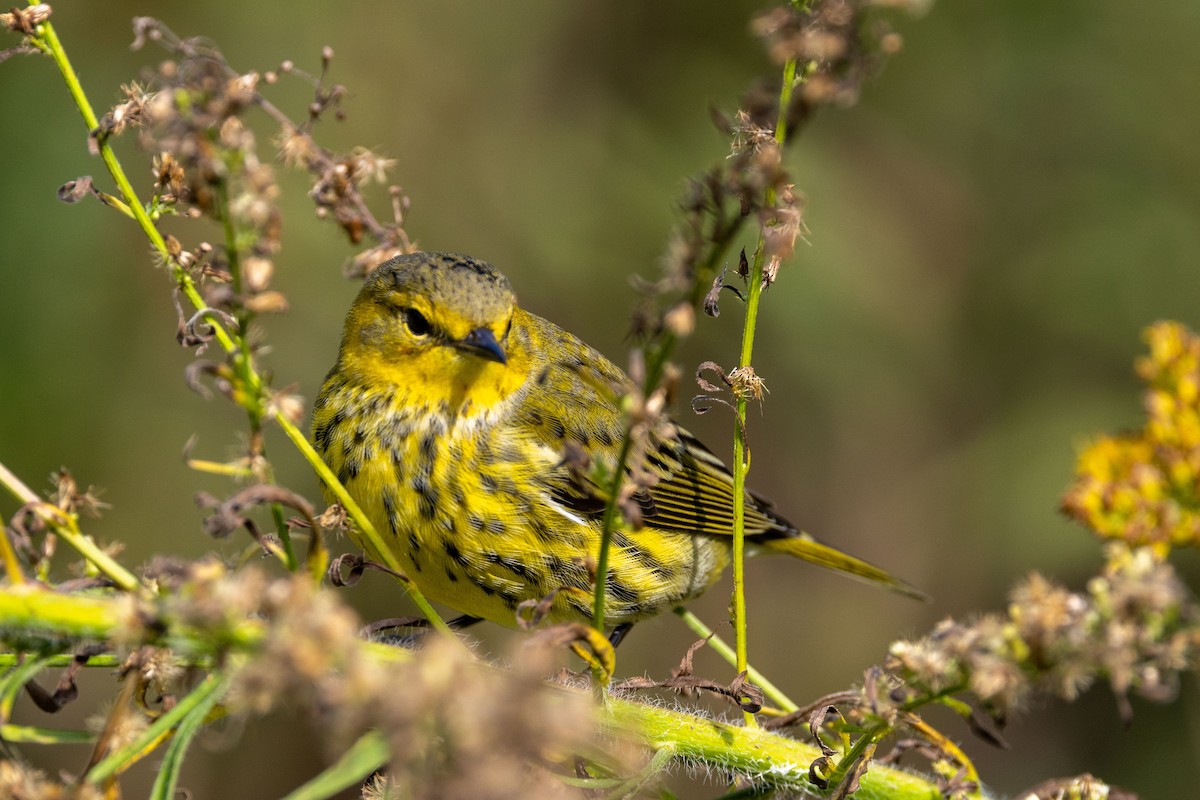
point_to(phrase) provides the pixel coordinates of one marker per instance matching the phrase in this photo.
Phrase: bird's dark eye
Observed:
(416, 322)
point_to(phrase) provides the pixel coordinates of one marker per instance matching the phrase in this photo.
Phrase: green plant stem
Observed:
(67, 527)
(726, 652)
(657, 354)
(763, 756)
(35, 734)
(611, 520)
(39, 613)
(863, 747)
(360, 518)
(204, 695)
(355, 765)
(741, 461)
(47, 40)
(36, 612)
(64, 660)
(12, 567)
(201, 710)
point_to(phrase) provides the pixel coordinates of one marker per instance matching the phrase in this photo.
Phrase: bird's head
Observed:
(436, 324)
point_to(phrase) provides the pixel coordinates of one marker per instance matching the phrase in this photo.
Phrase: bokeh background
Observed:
(1014, 199)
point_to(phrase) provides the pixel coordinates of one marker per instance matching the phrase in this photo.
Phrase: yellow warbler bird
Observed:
(448, 416)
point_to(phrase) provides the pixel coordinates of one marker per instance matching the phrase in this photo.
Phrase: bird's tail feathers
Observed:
(805, 547)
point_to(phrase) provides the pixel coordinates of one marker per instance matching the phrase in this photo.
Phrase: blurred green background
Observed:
(1014, 199)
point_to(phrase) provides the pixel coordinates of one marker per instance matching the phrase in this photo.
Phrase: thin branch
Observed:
(67, 527)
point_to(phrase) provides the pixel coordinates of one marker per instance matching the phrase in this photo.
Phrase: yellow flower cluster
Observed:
(1144, 487)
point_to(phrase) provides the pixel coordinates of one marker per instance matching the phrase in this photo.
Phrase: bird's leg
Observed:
(619, 632)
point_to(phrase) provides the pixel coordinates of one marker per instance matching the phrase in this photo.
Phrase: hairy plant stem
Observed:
(769, 759)
(46, 40)
(741, 455)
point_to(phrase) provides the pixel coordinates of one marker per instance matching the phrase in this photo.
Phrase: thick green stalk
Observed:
(34, 611)
(760, 755)
(763, 757)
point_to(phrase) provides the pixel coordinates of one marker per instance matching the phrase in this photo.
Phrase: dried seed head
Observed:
(680, 319)
(290, 406)
(780, 229)
(257, 273)
(26, 20)
(21, 782)
(749, 136)
(745, 383)
(297, 149)
(169, 175)
(365, 166)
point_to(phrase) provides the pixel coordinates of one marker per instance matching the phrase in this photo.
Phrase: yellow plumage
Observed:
(447, 417)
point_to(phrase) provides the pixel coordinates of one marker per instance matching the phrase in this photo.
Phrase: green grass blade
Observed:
(14, 680)
(206, 693)
(365, 756)
(189, 726)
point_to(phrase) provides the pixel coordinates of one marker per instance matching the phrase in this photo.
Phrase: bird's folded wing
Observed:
(694, 493)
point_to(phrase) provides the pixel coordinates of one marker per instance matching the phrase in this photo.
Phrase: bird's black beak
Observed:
(482, 342)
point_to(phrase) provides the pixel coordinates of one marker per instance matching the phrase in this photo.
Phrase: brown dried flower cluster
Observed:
(842, 43)
(456, 728)
(1137, 627)
(21, 782)
(838, 45)
(206, 162)
(189, 113)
